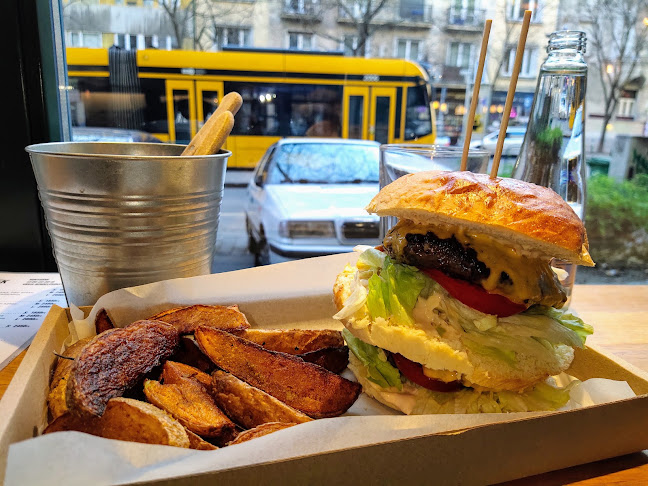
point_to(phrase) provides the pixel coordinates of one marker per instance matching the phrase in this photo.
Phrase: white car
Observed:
(512, 141)
(307, 198)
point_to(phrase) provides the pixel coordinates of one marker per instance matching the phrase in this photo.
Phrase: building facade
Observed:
(444, 36)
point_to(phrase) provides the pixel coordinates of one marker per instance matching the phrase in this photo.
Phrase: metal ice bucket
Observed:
(125, 214)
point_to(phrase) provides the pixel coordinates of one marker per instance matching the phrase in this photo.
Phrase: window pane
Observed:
(356, 116)
(417, 114)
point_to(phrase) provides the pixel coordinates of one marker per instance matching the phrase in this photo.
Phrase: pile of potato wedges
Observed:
(197, 377)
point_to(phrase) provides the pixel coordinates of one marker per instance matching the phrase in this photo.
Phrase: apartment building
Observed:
(444, 36)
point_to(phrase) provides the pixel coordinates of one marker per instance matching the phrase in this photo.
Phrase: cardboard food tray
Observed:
(465, 449)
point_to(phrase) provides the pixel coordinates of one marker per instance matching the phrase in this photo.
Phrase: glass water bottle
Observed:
(553, 150)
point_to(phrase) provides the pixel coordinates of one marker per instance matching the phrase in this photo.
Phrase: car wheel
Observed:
(262, 255)
(252, 243)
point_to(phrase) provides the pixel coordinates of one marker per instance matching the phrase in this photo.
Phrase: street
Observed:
(231, 241)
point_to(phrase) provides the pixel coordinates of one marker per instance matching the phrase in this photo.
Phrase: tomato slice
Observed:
(475, 296)
(414, 372)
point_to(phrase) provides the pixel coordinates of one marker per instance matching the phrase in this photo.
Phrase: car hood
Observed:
(322, 200)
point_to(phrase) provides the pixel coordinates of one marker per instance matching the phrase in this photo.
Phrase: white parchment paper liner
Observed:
(73, 458)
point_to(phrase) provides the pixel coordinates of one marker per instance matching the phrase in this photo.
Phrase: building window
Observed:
(529, 68)
(516, 9)
(83, 39)
(408, 49)
(625, 108)
(350, 44)
(148, 3)
(231, 36)
(304, 7)
(460, 54)
(300, 41)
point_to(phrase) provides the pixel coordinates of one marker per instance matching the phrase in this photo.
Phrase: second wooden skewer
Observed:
(475, 94)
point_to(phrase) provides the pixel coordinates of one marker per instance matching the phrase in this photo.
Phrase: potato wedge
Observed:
(114, 361)
(259, 431)
(177, 373)
(56, 399)
(248, 406)
(193, 407)
(292, 341)
(198, 443)
(333, 359)
(103, 322)
(187, 319)
(307, 387)
(189, 353)
(127, 419)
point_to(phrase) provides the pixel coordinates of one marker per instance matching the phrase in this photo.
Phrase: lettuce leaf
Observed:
(379, 370)
(394, 291)
(564, 318)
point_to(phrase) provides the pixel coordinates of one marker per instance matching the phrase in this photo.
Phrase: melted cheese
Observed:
(442, 375)
(531, 278)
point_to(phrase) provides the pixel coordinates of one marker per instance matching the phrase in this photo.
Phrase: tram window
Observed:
(315, 111)
(399, 111)
(418, 120)
(91, 102)
(155, 111)
(287, 109)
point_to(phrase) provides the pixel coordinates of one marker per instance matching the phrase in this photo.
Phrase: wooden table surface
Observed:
(619, 314)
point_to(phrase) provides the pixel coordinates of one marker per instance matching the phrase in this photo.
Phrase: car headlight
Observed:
(307, 229)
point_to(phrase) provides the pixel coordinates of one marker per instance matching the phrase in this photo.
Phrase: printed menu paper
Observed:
(25, 299)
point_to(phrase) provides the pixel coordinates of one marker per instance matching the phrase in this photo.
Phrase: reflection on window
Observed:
(332, 163)
(529, 68)
(460, 54)
(300, 41)
(94, 102)
(287, 109)
(418, 120)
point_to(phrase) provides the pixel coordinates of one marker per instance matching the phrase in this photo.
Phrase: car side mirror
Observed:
(258, 180)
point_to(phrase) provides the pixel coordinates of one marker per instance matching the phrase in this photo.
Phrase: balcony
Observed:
(466, 19)
(407, 14)
(301, 10)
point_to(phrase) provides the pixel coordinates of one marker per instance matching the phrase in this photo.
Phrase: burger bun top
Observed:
(531, 216)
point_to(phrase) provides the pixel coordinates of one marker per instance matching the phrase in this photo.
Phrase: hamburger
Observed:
(459, 310)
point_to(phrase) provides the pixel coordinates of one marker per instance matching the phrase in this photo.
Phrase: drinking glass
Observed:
(397, 160)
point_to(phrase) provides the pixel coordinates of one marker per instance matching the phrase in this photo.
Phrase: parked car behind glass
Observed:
(307, 198)
(512, 141)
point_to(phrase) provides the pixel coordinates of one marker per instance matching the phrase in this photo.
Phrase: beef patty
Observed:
(445, 254)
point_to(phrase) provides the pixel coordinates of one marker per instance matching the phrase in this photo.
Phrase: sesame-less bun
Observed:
(531, 216)
(423, 344)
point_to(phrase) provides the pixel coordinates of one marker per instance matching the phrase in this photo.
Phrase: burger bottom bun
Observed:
(423, 345)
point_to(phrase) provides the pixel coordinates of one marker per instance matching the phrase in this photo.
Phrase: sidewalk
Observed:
(238, 177)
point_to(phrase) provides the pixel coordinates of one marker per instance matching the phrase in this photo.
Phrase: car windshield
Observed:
(324, 163)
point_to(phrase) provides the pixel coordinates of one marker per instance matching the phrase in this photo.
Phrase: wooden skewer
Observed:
(519, 54)
(211, 137)
(475, 94)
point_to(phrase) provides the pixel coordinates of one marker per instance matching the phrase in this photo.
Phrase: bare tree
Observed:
(182, 15)
(617, 38)
(363, 17)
